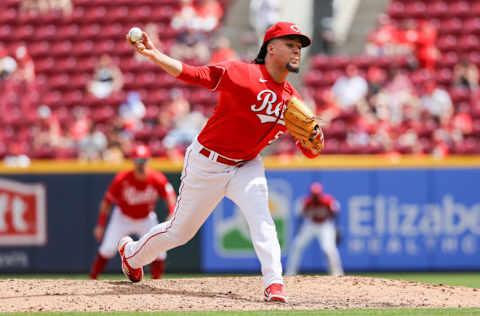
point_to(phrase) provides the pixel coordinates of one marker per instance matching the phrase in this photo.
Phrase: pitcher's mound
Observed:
(227, 293)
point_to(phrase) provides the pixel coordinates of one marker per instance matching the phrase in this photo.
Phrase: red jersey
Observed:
(137, 198)
(249, 114)
(319, 208)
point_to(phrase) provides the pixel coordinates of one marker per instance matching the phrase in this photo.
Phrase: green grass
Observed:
(468, 279)
(360, 312)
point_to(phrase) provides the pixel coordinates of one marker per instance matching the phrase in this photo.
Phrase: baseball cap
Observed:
(141, 153)
(281, 29)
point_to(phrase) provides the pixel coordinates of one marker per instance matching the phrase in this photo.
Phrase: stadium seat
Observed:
(459, 9)
(437, 9)
(416, 10)
(451, 26)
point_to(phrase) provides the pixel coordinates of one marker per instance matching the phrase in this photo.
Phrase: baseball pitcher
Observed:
(256, 105)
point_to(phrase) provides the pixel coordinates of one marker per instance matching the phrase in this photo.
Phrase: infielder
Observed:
(224, 161)
(319, 210)
(135, 194)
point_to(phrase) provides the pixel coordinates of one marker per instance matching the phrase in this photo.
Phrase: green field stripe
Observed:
(359, 312)
(468, 279)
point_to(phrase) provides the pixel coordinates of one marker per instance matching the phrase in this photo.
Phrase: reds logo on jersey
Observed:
(271, 111)
(133, 197)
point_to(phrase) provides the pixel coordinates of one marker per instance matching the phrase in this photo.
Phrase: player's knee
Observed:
(182, 238)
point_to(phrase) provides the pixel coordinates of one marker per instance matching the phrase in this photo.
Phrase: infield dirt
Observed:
(227, 293)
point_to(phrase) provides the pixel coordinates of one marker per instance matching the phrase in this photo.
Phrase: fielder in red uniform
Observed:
(135, 194)
(224, 161)
(320, 211)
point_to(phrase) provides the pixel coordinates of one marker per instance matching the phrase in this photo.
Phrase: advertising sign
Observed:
(23, 218)
(402, 219)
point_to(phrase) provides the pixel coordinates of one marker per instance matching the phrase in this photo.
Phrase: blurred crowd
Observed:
(36, 130)
(415, 108)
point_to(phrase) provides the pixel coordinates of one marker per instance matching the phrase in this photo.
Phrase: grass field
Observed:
(468, 279)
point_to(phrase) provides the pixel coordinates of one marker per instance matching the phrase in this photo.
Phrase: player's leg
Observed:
(248, 189)
(157, 267)
(116, 228)
(203, 186)
(302, 239)
(326, 238)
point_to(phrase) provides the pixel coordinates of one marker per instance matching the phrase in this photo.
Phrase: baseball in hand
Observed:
(135, 34)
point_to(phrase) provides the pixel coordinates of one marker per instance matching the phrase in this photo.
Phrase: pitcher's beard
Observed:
(292, 69)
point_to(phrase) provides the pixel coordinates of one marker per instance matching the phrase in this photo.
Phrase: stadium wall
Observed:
(398, 213)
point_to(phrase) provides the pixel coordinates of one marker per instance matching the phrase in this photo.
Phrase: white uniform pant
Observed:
(204, 184)
(121, 225)
(325, 233)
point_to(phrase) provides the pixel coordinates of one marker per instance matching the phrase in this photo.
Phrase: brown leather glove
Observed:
(302, 124)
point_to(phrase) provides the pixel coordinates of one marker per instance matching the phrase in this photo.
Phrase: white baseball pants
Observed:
(325, 233)
(204, 184)
(121, 225)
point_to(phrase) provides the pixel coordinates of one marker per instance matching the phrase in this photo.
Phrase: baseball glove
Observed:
(302, 125)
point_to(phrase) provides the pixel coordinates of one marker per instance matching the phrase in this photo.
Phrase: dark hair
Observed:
(260, 59)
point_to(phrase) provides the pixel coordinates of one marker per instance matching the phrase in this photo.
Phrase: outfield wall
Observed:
(396, 214)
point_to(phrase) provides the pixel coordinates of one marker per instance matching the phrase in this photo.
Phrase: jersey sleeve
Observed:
(333, 205)
(166, 191)
(211, 77)
(113, 191)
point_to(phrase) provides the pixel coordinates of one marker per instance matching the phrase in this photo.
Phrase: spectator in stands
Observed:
(117, 134)
(132, 112)
(191, 47)
(25, 66)
(407, 38)
(46, 131)
(107, 78)
(391, 101)
(81, 124)
(407, 139)
(16, 156)
(465, 75)
(350, 89)
(92, 146)
(8, 65)
(441, 143)
(376, 79)
(426, 51)
(185, 125)
(208, 15)
(204, 17)
(436, 102)
(383, 40)
(222, 51)
(44, 6)
(113, 153)
(461, 124)
(185, 15)
(263, 14)
(327, 107)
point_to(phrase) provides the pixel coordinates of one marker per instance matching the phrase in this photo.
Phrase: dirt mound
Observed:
(229, 293)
